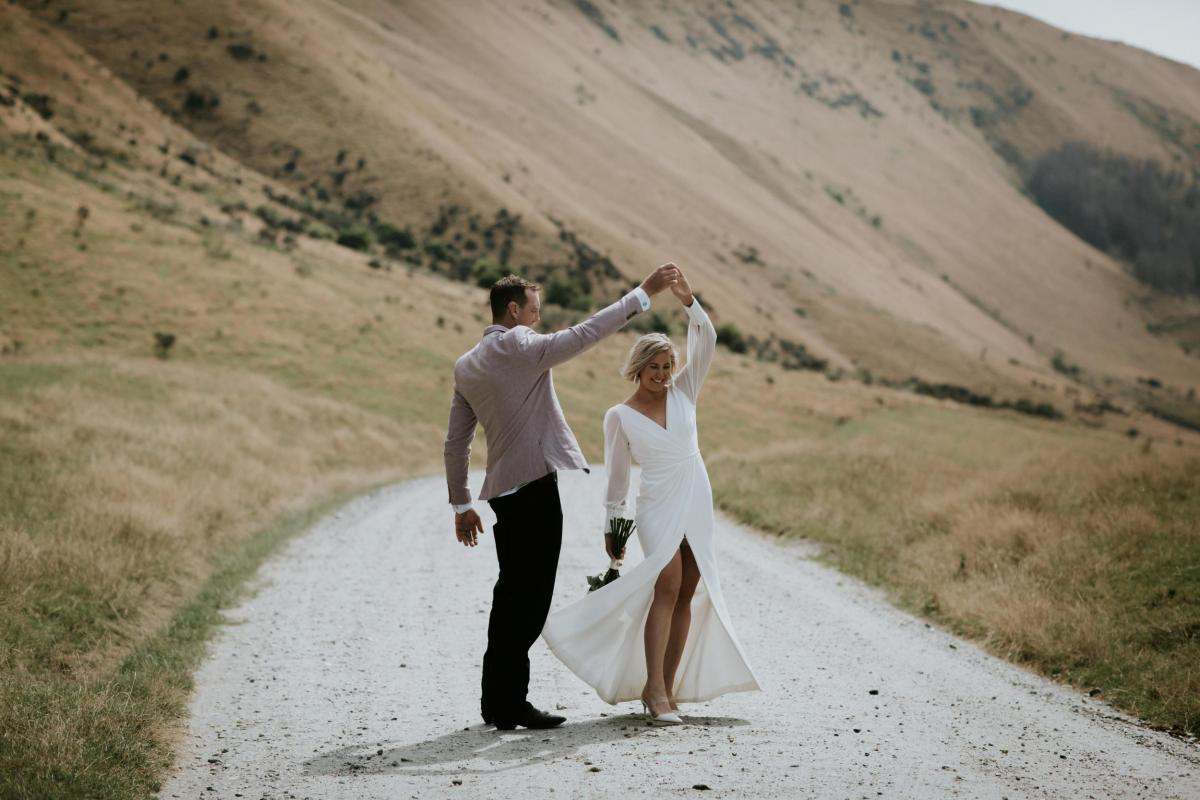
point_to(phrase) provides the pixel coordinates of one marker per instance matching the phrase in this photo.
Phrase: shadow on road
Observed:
(492, 750)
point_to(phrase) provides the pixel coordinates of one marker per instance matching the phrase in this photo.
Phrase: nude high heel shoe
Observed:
(665, 718)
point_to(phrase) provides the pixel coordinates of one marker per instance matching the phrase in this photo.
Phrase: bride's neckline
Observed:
(651, 420)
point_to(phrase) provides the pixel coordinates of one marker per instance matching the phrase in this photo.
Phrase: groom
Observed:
(505, 384)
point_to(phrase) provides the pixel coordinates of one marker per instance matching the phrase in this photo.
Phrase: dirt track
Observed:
(353, 673)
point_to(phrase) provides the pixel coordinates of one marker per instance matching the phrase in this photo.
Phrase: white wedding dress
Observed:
(600, 636)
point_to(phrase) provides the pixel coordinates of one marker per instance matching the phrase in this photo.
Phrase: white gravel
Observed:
(353, 672)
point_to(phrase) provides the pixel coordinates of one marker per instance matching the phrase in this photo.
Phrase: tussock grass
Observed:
(110, 735)
(1073, 553)
(131, 497)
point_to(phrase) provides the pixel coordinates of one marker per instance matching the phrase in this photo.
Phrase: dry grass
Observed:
(124, 484)
(1071, 552)
(137, 493)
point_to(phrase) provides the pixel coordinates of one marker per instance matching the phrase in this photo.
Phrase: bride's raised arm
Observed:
(701, 347)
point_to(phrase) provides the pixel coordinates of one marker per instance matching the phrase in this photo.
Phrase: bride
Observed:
(660, 632)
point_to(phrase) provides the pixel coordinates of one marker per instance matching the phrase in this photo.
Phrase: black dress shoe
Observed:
(529, 717)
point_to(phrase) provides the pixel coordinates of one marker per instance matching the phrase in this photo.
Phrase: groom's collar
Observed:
(495, 326)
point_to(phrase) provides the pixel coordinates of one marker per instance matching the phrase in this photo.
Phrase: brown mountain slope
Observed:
(853, 154)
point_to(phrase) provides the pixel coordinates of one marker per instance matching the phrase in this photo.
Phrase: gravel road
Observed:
(353, 672)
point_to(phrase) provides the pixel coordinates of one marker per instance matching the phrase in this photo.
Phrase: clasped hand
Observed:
(669, 276)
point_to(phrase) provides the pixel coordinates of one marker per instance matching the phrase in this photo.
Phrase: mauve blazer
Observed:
(505, 384)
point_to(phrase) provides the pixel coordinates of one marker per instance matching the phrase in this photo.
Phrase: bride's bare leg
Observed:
(681, 619)
(658, 628)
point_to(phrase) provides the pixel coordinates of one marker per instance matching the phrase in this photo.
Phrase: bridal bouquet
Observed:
(620, 529)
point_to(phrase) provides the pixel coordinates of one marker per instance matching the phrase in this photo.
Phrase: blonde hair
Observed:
(643, 352)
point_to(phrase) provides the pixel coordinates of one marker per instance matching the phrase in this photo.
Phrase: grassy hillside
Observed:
(201, 347)
(1054, 547)
(861, 162)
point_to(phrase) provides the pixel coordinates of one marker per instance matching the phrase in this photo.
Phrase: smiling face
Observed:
(650, 363)
(655, 377)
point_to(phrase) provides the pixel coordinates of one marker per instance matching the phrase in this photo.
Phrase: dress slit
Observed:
(602, 639)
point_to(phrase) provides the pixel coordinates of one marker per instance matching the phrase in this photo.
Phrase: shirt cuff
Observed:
(459, 509)
(614, 511)
(642, 297)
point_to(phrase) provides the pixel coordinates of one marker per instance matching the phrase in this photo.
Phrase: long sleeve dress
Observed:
(600, 636)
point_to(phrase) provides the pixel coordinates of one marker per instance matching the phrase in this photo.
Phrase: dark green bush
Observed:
(393, 238)
(485, 273)
(200, 101)
(41, 103)
(241, 51)
(652, 322)
(729, 335)
(356, 237)
(1064, 367)
(796, 356)
(562, 292)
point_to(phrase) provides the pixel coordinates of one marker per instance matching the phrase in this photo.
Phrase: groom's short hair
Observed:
(510, 289)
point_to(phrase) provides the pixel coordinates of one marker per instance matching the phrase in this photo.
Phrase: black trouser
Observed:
(528, 535)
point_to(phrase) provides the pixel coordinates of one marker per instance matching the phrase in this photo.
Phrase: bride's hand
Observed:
(682, 289)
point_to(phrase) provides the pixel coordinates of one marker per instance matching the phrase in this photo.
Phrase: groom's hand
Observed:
(467, 527)
(662, 278)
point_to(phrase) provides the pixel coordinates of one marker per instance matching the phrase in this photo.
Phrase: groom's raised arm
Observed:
(551, 349)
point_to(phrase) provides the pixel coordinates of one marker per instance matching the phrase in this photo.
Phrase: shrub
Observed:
(163, 342)
(360, 201)
(1036, 409)
(1064, 367)
(393, 238)
(563, 293)
(40, 103)
(729, 335)
(796, 356)
(748, 254)
(593, 13)
(200, 101)
(267, 215)
(438, 251)
(356, 237)
(653, 322)
(241, 52)
(485, 273)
